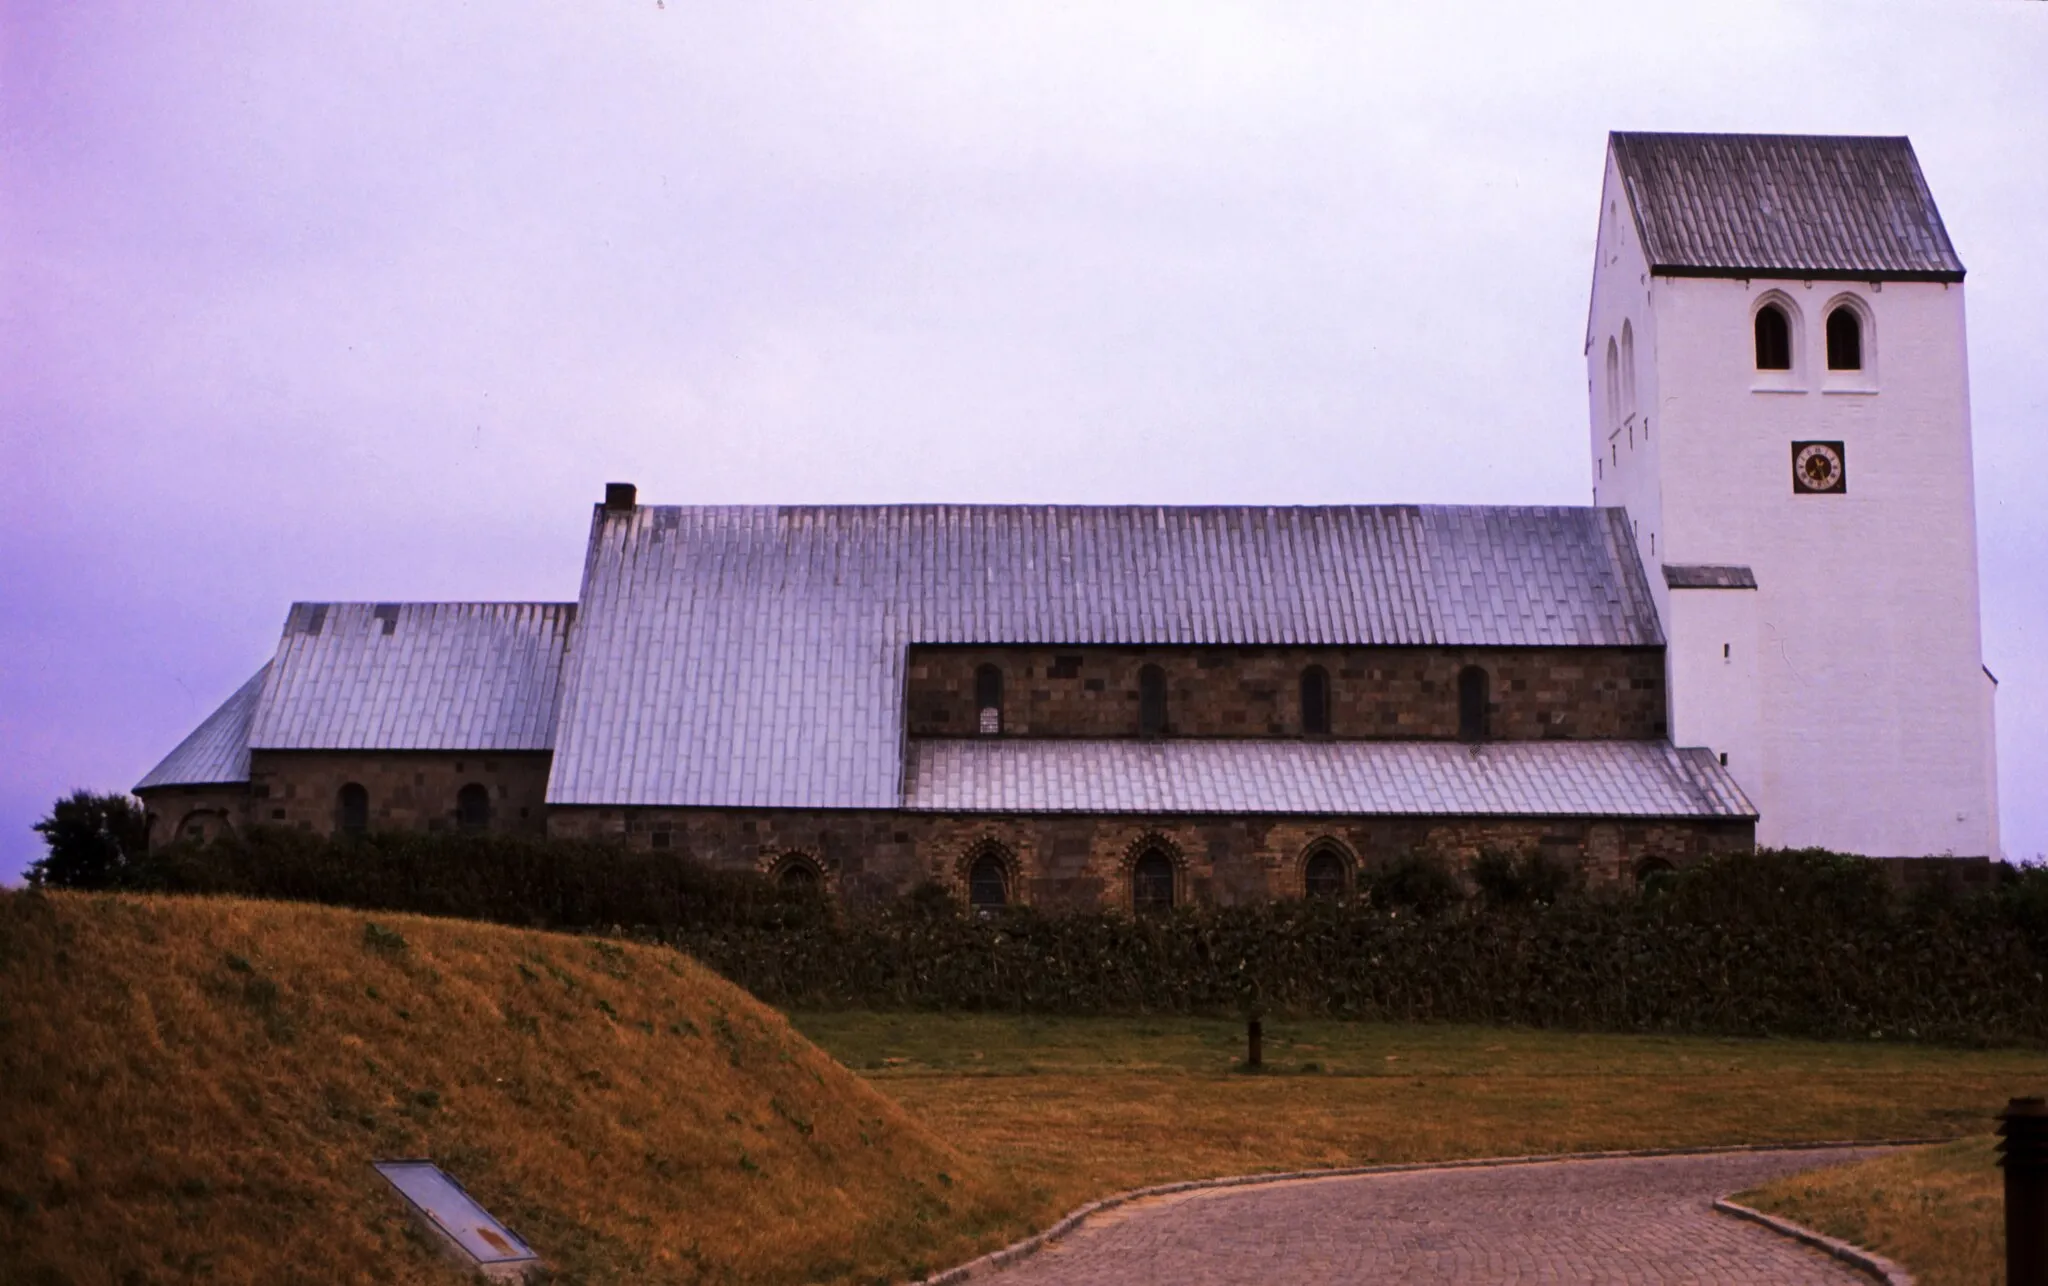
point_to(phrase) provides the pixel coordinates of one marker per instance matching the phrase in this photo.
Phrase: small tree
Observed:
(95, 842)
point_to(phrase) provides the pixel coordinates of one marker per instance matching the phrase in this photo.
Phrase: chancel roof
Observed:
(1784, 205)
(753, 657)
(414, 676)
(1647, 779)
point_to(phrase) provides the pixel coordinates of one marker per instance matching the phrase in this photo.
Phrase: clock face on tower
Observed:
(1819, 469)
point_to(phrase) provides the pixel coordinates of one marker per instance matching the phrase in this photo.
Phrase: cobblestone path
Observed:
(1633, 1220)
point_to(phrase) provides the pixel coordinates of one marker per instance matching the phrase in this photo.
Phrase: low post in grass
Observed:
(2024, 1155)
(1254, 1040)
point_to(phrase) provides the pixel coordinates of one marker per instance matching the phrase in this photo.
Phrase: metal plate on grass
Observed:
(455, 1213)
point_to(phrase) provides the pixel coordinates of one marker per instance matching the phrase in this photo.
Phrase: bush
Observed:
(510, 879)
(1507, 879)
(1773, 943)
(1416, 882)
(1789, 944)
(93, 842)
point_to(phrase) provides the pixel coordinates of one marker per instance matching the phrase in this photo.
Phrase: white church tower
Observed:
(1780, 400)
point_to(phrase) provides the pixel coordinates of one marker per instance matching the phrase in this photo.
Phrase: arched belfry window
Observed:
(1326, 871)
(473, 807)
(1472, 702)
(1152, 882)
(1151, 701)
(1773, 338)
(988, 882)
(1845, 339)
(1315, 700)
(988, 700)
(1628, 370)
(352, 809)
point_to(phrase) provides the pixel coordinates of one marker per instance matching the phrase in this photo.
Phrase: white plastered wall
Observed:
(1872, 730)
(1711, 675)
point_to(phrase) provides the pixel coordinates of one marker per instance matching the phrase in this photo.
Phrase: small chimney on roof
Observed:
(619, 496)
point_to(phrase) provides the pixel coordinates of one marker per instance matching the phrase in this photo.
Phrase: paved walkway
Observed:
(1630, 1220)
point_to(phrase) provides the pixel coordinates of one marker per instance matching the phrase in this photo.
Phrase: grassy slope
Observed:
(1072, 1108)
(1939, 1212)
(195, 1088)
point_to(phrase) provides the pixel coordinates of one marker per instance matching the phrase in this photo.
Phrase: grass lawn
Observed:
(1938, 1211)
(1074, 1108)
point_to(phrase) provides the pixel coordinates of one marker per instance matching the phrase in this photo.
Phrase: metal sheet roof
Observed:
(217, 751)
(1708, 576)
(1333, 778)
(414, 676)
(1784, 205)
(754, 656)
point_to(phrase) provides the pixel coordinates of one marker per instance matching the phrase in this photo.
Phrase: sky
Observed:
(369, 300)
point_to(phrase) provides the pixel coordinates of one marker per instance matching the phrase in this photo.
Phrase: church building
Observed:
(1764, 629)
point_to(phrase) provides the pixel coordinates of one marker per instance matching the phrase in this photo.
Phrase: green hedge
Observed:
(1772, 944)
(1778, 943)
(531, 882)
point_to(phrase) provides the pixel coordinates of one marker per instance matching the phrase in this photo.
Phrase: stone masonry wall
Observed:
(409, 790)
(1062, 862)
(194, 812)
(1376, 692)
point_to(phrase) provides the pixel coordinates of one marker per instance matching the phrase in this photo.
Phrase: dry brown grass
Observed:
(1076, 1108)
(1939, 1212)
(194, 1089)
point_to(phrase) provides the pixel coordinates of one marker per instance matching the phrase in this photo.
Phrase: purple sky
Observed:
(367, 301)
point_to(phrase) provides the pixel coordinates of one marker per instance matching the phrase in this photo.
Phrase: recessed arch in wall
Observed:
(1315, 700)
(796, 870)
(1613, 386)
(1328, 869)
(989, 872)
(1154, 874)
(1628, 369)
(203, 825)
(352, 809)
(473, 807)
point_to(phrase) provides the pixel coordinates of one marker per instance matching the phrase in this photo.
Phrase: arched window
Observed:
(798, 874)
(352, 809)
(1773, 339)
(1628, 370)
(988, 883)
(1315, 700)
(1613, 386)
(988, 699)
(203, 826)
(1151, 701)
(1152, 882)
(1472, 702)
(1326, 872)
(1845, 339)
(1652, 871)
(473, 807)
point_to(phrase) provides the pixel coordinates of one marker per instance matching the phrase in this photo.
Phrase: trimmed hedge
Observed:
(507, 879)
(1774, 943)
(1771, 944)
